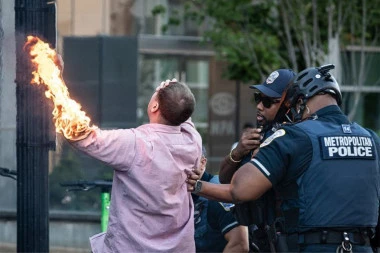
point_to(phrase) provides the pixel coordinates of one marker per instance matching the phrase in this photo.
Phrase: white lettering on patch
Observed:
(347, 147)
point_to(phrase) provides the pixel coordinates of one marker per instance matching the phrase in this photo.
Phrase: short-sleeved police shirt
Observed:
(219, 214)
(285, 155)
(220, 217)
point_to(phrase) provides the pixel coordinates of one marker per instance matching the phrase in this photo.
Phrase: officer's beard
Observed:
(264, 124)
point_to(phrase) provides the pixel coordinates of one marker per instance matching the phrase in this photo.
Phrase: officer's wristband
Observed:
(231, 159)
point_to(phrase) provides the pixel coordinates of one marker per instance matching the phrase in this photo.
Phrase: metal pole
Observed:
(101, 78)
(35, 133)
(237, 111)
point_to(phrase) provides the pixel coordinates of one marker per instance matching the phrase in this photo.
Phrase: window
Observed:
(194, 72)
(150, 24)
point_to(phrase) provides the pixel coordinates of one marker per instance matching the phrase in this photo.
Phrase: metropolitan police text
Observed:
(348, 146)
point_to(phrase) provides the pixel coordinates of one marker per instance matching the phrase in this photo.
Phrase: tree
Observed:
(362, 31)
(238, 31)
(256, 36)
(324, 29)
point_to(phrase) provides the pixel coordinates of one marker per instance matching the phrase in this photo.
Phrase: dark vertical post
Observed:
(35, 134)
(101, 78)
(237, 115)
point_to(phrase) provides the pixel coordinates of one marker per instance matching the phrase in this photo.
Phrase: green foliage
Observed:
(158, 9)
(241, 36)
(238, 31)
(363, 14)
(255, 37)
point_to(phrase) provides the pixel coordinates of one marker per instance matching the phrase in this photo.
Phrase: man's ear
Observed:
(298, 105)
(203, 163)
(155, 107)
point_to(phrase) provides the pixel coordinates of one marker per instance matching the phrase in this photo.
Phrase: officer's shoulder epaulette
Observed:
(280, 132)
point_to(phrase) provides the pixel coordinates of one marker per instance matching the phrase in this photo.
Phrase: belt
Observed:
(333, 237)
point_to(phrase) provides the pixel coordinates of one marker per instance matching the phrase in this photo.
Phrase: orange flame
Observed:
(68, 117)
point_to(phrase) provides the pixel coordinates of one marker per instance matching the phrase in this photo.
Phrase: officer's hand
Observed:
(250, 140)
(192, 178)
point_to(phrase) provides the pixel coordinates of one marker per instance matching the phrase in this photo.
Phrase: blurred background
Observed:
(117, 51)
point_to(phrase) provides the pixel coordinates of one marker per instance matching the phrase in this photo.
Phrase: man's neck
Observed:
(159, 120)
(318, 102)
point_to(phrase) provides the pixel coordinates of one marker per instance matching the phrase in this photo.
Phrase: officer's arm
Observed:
(218, 192)
(248, 183)
(227, 169)
(249, 140)
(237, 240)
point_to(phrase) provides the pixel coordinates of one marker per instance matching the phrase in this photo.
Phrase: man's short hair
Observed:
(177, 103)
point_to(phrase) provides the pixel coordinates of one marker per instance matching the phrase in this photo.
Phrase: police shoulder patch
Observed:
(278, 133)
(227, 206)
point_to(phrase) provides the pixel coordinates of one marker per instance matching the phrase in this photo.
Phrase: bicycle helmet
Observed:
(308, 83)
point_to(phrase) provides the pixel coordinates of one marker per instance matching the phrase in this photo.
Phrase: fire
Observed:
(68, 117)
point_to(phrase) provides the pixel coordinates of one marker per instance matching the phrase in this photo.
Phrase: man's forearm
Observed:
(227, 170)
(229, 165)
(218, 192)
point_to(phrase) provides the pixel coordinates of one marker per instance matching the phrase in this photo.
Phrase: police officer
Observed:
(259, 214)
(325, 167)
(267, 97)
(216, 229)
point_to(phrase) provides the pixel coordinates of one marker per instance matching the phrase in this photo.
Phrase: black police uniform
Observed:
(259, 215)
(327, 171)
(212, 220)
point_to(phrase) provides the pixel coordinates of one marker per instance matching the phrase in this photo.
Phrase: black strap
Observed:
(333, 237)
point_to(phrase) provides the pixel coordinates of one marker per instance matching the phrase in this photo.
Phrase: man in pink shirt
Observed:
(151, 209)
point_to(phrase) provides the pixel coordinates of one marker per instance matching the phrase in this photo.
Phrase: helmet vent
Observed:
(313, 88)
(301, 76)
(307, 82)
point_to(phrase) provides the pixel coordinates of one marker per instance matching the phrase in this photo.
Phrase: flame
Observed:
(68, 117)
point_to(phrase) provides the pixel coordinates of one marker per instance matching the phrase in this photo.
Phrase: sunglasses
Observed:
(267, 101)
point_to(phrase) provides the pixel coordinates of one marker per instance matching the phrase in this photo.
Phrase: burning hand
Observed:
(59, 62)
(68, 117)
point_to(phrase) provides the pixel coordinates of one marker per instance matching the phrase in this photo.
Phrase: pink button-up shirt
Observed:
(151, 210)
